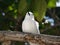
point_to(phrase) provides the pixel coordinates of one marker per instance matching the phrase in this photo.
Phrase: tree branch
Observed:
(42, 39)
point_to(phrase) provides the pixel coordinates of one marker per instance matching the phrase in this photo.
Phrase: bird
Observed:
(37, 24)
(30, 25)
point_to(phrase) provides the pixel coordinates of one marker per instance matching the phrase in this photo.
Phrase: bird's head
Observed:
(29, 15)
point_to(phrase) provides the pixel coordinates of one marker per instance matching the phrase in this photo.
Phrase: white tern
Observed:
(30, 25)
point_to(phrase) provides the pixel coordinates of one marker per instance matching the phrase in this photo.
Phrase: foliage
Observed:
(38, 9)
(8, 13)
(12, 13)
(52, 3)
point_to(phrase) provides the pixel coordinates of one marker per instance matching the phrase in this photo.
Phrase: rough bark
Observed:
(42, 39)
(6, 43)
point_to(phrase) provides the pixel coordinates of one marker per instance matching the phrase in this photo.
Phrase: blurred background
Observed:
(12, 13)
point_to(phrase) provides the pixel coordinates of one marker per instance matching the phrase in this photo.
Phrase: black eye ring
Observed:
(29, 13)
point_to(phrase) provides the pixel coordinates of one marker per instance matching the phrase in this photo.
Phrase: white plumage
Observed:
(30, 25)
(37, 24)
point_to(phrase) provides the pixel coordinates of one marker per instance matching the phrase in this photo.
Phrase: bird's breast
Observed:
(29, 26)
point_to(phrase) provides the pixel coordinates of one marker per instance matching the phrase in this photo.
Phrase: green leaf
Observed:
(23, 7)
(10, 8)
(38, 7)
(52, 3)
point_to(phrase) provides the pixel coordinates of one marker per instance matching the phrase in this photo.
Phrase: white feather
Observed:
(30, 25)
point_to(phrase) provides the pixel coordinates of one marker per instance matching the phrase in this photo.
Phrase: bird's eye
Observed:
(29, 13)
